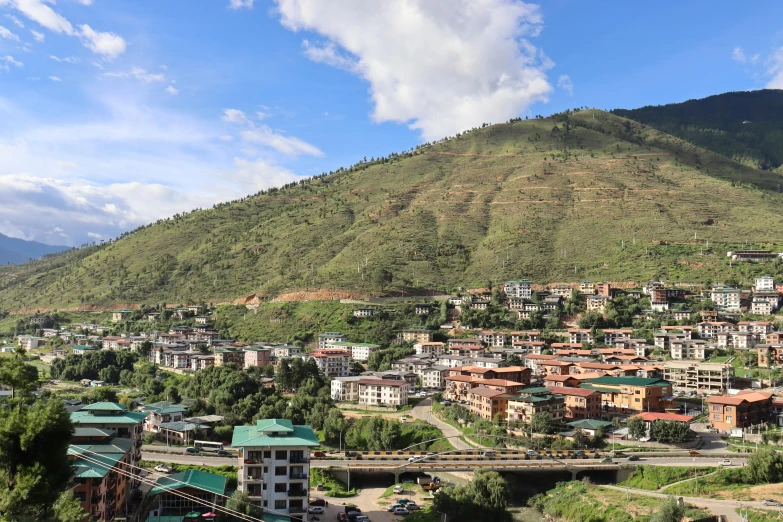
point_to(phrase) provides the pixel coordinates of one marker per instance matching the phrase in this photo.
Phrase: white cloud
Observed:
(15, 20)
(39, 12)
(440, 67)
(94, 235)
(775, 70)
(262, 115)
(7, 34)
(139, 74)
(240, 4)
(85, 2)
(38, 37)
(288, 145)
(564, 82)
(234, 116)
(738, 55)
(7, 61)
(171, 90)
(67, 59)
(226, 138)
(55, 78)
(109, 45)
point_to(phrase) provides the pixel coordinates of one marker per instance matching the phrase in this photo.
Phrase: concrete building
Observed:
(333, 362)
(416, 334)
(30, 342)
(433, 377)
(327, 338)
(117, 316)
(764, 284)
(521, 407)
(384, 392)
(579, 402)
(257, 356)
(725, 298)
(225, 356)
(522, 288)
(358, 351)
(698, 377)
(486, 402)
(696, 349)
(629, 395)
(432, 348)
(173, 495)
(161, 412)
(746, 409)
(345, 389)
(274, 464)
(99, 481)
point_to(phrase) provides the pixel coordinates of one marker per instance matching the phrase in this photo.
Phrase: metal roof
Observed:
(192, 478)
(274, 432)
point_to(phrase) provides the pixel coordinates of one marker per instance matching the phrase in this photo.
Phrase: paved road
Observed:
(423, 411)
(179, 458)
(718, 507)
(712, 441)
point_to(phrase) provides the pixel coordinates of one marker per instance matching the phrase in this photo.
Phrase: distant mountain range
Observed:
(13, 250)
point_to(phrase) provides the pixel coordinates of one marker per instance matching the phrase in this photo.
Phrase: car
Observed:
(362, 518)
(725, 462)
(342, 517)
(404, 501)
(411, 506)
(316, 510)
(319, 487)
(352, 509)
(415, 458)
(162, 468)
(400, 511)
(391, 508)
(694, 453)
(771, 502)
(317, 502)
(712, 430)
(398, 489)
(606, 459)
(446, 403)
(431, 454)
(319, 454)
(579, 453)
(531, 453)
(223, 453)
(489, 454)
(632, 458)
(193, 450)
(352, 454)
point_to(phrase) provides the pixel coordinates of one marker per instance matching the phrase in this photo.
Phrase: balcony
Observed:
(298, 509)
(298, 459)
(250, 479)
(297, 475)
(297, 492)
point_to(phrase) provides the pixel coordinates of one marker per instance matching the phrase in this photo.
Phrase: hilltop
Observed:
(576, 195)
(744, 126)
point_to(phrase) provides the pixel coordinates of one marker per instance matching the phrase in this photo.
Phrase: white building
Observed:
(274, 464)
(522, 288)
(709, 329)
(333, 362)
(345, 389)
(387, 392)
(287, 350)
(433, 348)
(433, 378)
(358, 351)
(726, 297)
(28, 342)
(696, 349)
(580, 335)
(764, 284)
(327, 338)
(492, 338)
(364, 312)
(698, 377)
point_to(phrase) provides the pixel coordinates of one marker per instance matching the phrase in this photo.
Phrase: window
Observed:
(280, 470)
(280, 487)
(280, 504)
(728, 408)
(728, 418)
(281, 454)
(268, 454)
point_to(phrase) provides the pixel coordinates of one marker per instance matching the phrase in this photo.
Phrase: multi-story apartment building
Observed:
(432, 348)
(586, 288)
(597, 303)
(225, 356)
(522, 288)
(726, 297)
(580, 335)
(579, 402)
(763, 304)
(30, 342)
(521, 408)
(710, 329)
(333, 362)
(113, 420)
(759, 329)
(737, 340)
(433, 377)
(486, 402)
(743, 410)
(386, 392)
(289, 350)
(160, 412)
(345, 389)
(257, 356)
(364, 312)
(764, 284)
(328, 338)
(358, 351)
(274, 465)
(416, 334)
(696, 349)
(100, 482)
(201, 362)
(769, 355)
(492, 338)
(628, 395)
(698, 377)
(117, 316)
(611, 336)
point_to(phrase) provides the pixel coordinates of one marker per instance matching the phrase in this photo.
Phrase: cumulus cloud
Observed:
(55, 78)
(139, 74)
(241, 4)
(265, 136)
(109, 45)
(234, 116)
(7, 61)
(564, 82)
(439, 67)
(38, 37)
(7, 34)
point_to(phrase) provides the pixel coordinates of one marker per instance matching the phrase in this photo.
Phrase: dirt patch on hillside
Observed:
(318, 295)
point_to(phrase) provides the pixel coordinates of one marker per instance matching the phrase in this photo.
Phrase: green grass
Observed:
(333, 486)
(761, 515)
(230, 472)
(655, 477)
(710, 486)
(410, 489)
(443, 218)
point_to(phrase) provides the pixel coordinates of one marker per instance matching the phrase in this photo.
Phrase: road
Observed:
(712, 441)
(423, 411)
(717, 507)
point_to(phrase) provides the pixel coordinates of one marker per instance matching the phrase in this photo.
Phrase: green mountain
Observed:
(577, 195)
(744, 126)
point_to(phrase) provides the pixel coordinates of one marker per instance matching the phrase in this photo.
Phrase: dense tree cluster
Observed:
(104, 365)
(484, 499)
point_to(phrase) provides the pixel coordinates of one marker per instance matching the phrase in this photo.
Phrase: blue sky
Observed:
(115, 113)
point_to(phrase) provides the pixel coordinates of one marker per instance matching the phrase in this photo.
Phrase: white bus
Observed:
(208, 445)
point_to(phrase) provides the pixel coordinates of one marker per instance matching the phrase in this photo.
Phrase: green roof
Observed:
(122, 311)
(182, 427)
(540, 390)
(265, 433)
(84, 347)
(164, 407)
(192, 478)
(105, 406)
(629, 380)
(97, 467)
(114, 445)
(126, 417)
(590, 424)
(346, 343)
(90, 432)
(518, 398)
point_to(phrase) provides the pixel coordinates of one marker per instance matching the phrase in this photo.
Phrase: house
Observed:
(759, 329)
(764, 284)
(410, 378)
(710, 329)
(738, 340)
(531, 336)
(725, 298)
(523, 406)
(627, 395)
(117, 316)
(431, 348)
(180, 432)
(561, 291)
(422, 309)
(752, 255)
(522, 288)
(604, 289)
(291, 350)
(200, 362)
(173, 495)
(486, 402)
(591, 427)
(553, 367)
(587, 288)
(611, 336)
(161, 412)
(579, 402)
(651, 417)
(358, 351)
(333, 362)
(580, 335)
(698, 377)
(492, 338)
(458, 386)
(560, 381)
(364, 312)
(274, 464)
(81, 349)
(433, 377)
(29, 342)
(386, 392)
(257, 356)
(746, 409)
(479, 304)
(416, 334)
(225, 356)
(696, 349)
(597, 303)
(681, 315)
(202, 319)
(327, 338)
(345, 389)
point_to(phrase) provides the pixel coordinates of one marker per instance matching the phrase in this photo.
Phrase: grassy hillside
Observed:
(744, 126)
(553, 199)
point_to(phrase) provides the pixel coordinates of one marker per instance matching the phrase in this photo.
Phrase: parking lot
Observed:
(369, 502)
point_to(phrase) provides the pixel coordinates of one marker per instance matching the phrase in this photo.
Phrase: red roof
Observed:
(558, 378)
(652, 416)
(383, 382)
(483, 391)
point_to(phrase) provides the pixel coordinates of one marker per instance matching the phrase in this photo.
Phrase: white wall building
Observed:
(387, 392)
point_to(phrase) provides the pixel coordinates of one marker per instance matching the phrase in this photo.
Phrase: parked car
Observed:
(725, 462)
(162, 468)
(771, 502)
(606, 459)
(391, 508)
(411, 506)
(694, 453)
(223, 453)
(319, 454)
(632, 458)
(317, 502)
(712, 430)
(362, 518)
(352, 509)
(446, 403)
(316, 510)
(404, 501)
(400, 511)
(342, 517)
(398, 489)
(319, 487)
(193, 450)
(489, 454)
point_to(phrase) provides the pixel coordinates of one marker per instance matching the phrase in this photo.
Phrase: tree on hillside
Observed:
(381, 277)
(765, 467)
(669, 511)
(541, 423)
(636, 427)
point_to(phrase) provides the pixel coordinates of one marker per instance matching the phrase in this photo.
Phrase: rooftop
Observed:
(191, 478)
(274, 432)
